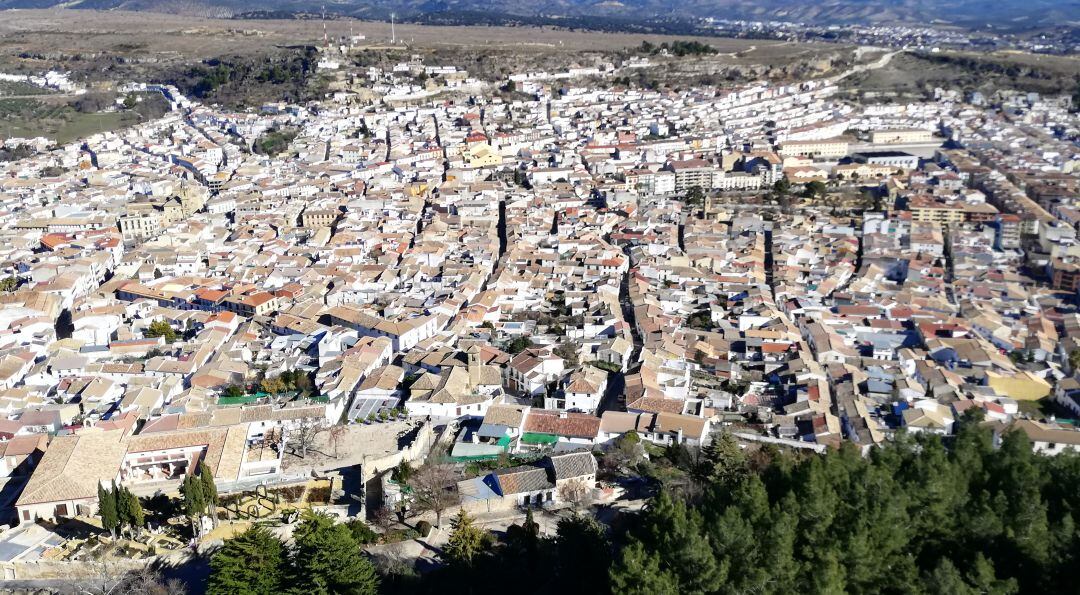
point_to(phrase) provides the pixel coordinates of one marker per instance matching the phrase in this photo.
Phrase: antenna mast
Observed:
(393, 36)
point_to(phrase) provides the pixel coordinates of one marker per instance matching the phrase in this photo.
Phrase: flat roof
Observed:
(884, 154)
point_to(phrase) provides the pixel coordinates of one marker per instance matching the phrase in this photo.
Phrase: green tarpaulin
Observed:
(537, 438)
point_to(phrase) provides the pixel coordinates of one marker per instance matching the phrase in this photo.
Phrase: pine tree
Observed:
(985, 580)
(252, 563)
(638, 572)
(465, 541)
(582, 555)
(110, 519)
(327, 559)
(668, 527)
(722, 460)
(947, 580)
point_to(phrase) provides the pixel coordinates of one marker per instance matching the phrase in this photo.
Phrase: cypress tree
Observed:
(194, 500)
(110, 519)
(123, 509)
(134, 510)
(209, 490)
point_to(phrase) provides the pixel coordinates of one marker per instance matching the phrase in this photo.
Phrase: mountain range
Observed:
(1014, 14)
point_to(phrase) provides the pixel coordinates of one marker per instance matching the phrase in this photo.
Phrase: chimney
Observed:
(474, 369)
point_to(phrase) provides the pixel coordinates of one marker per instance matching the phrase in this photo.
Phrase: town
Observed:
(431, 304)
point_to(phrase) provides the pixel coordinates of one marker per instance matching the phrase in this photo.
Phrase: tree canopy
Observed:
(465, 542)
(161, 328)
(251, 563)
(325, 559)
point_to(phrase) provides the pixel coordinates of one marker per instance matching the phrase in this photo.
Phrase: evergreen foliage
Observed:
(252, 563)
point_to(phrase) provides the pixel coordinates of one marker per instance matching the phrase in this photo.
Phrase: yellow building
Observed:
(481, 156)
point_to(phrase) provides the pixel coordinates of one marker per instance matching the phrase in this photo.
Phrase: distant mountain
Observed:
(967, 13)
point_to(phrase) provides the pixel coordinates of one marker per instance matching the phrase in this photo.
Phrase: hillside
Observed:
(970, 13)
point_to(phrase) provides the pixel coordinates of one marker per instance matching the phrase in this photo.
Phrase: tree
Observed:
(209, 490)
(569, 353)
(432, 489)
(273, 386)
(628, 448)
(161, 328)
(947, 580)
(722, 460)
(402, 473)
(1074, 359)
(253, 563)
(302, 382)
(465, 541)
(104, 578)
(110, 518)
(233, 391)
(130, 101)
(128, 509)
(530, 528)
(695, 197)
(582, 555)
(193, 493)
(9, 284)
(303, 435)
(337, 433)
(327, 559)
(638, 572)
(361, 532)
(575, 492)
(677, 533)
(814, 189)
(518, 344)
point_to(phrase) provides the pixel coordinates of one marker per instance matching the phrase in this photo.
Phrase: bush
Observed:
(606, 366)
(319, 495)
(423, 528)
(361, 532)
(289, 493)
(397, 535)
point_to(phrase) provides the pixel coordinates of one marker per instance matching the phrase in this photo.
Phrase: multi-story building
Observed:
(901, 136)
(693, 172)
(830, 148)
